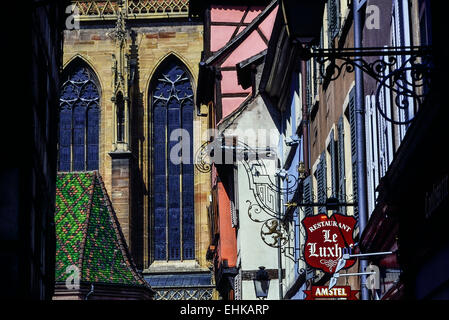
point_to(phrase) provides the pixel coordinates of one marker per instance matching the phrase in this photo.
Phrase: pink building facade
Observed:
(232, 35)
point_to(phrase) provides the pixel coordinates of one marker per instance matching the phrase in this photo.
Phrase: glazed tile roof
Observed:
(88, 234)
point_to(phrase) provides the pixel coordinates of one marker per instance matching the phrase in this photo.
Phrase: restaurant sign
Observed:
(327, 238)
(338, 292)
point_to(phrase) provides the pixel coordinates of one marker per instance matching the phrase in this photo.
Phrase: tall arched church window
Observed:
(79, 116)
(173, 182)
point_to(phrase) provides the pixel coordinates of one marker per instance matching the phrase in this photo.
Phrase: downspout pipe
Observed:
(361, 141)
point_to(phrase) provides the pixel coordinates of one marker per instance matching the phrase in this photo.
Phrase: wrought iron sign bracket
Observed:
(350, 58)
(404, 70)
(330, 204)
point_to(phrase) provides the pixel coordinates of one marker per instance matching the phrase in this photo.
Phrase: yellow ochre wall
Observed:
(155, 40)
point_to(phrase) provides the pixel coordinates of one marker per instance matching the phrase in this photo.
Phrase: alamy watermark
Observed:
(372, 20)
(235, 146)
(373, 280)
(73, 280)
(72, 22)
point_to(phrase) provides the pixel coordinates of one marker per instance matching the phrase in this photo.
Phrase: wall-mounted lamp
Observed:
(261, 283)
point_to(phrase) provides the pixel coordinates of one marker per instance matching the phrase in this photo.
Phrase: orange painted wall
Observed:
(227, 247)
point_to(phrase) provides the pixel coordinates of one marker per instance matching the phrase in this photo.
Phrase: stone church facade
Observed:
(129, 74)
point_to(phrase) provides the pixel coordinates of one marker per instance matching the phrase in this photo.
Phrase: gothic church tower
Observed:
(129, 81)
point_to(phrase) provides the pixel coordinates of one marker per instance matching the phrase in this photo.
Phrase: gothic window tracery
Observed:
(79, 121)
(172, 107)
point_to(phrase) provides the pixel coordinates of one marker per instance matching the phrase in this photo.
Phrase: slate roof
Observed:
(88, 234)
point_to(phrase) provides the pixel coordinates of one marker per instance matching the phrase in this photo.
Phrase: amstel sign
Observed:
(326, 239)
(322, 292)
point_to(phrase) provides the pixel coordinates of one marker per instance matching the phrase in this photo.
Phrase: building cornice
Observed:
(97, 10)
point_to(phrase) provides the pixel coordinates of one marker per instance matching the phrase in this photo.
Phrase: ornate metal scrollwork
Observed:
(255, 212)
(268, 194)
(405, 71)
(273, 233)
(203, 154)
(331, 70)
(409, 83)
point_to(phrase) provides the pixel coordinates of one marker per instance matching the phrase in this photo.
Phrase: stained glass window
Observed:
(172, 102)
(79, 116)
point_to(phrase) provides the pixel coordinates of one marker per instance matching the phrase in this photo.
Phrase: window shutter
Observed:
(315, 77)
(234, 214)
(308, 88)
(352, 122)
(234, 217)
(320, 77)
(333, 19)
(334, 171)
(371, 150)
(341, 164)
(307, 195)
(324, 174)
(321, 179)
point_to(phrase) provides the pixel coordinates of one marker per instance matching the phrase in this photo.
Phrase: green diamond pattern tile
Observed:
(87, 232)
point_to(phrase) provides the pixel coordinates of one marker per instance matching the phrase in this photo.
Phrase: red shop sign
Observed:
(326, 239)
(342, 292)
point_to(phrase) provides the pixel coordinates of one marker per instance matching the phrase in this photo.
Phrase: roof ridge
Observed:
(120, 237)
(86, 229)
(243, 34)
